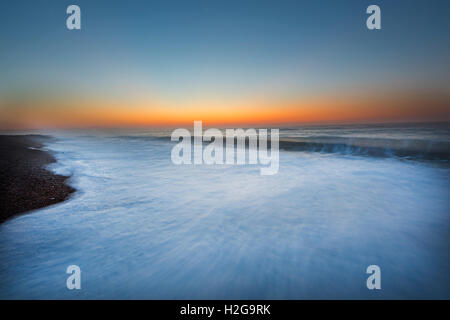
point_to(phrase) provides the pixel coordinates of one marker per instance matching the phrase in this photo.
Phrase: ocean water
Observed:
(142, 227)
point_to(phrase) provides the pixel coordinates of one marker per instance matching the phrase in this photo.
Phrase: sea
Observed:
(345, 197)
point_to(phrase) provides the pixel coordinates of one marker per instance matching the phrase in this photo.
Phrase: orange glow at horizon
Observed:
(94, 113)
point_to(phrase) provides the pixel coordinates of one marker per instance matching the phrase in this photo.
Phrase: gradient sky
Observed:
(170, 62)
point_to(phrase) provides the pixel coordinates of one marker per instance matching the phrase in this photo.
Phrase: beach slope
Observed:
(25, 184)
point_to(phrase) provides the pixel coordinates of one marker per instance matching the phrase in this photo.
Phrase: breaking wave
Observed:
(408, 149)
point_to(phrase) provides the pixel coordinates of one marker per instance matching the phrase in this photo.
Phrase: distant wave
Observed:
(412, 149)
(407, 148)
(428, 143)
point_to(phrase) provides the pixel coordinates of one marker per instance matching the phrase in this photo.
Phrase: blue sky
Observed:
(230, 49)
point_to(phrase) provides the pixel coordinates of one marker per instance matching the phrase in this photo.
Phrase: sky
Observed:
(223, 62)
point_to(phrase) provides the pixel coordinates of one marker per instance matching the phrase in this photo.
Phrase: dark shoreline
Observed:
(25, 184)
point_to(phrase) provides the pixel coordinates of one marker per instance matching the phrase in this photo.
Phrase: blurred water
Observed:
(141, 227)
